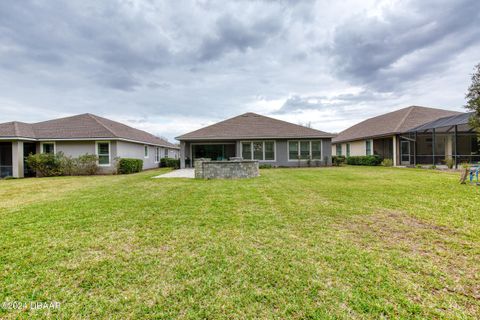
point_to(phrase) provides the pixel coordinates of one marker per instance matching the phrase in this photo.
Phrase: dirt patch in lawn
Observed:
(446, 257)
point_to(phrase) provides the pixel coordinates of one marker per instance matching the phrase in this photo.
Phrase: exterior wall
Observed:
(281, 152)
(75, 148)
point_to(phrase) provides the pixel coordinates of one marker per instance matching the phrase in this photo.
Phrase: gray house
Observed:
(253, 136)
(78, 135)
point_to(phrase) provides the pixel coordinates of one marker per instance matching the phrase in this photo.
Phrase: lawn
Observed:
(328, 243)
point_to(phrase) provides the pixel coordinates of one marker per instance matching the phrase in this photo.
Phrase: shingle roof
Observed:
(16, 129)
(456, 120)
(253, 126)
(83, 126)
(398, 121)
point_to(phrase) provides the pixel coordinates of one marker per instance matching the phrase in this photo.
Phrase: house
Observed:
(384, 135)
(256, 137)
(75, 136)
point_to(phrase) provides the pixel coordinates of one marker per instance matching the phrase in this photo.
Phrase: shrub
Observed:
(449, 163)
(387, 162)
(49, 164)
(46, 164)
(129, 165)
(338, 160)
(265, 166)
(86, 164)
(364, 160)
(419, 166)
(170, 163)
(432, 167)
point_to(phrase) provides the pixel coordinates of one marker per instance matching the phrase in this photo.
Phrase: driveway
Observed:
(180, 173)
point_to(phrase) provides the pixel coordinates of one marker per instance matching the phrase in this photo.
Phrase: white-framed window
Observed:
(102, 150)
(157, 155)
(368, 147)
(166, 152)
(47, 147)
(258, 150)
(305, 150)
(145, 151)
(338, 147)
(348, 149)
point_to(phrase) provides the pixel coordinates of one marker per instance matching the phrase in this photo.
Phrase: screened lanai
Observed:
(435, 142)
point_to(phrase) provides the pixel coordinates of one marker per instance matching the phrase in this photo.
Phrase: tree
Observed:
(473, 98)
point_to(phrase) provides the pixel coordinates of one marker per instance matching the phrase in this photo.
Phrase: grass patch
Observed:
(294, 243)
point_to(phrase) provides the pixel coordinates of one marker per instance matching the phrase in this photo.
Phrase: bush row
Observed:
(170, 163)
(364, 160)
(49, 165)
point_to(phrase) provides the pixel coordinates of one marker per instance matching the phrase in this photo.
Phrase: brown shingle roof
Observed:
(253, 126)
(83, 126)
(16, 129)
(392, 123)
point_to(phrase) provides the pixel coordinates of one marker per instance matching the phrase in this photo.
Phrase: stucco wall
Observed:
(75, 148)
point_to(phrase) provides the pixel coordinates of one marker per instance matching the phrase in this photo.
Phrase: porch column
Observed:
(433, 146)
(17, 159)
(395, 162)
(455, 146)
(415, 150)
(182, 154)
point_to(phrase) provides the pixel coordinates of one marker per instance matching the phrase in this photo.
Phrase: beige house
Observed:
(78, 135)
(387, 135)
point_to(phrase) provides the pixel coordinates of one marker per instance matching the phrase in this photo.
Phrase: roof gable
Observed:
(253, 126)
(398, 121)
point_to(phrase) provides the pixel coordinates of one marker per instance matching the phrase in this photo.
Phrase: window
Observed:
(269, 150)
(157, 154)
(305, 150)
(166, 152)
(258, 150)
(368, 147)
(145, 151)
(247, 150)
(348, 149)
(339, 149)
(103, 153)
(48, 147)
(316, 149)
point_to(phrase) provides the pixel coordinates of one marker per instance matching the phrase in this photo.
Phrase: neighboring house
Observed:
(384, 135)
(78, 135)
(253, 136)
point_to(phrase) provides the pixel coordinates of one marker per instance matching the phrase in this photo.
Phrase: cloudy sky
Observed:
(173, 66)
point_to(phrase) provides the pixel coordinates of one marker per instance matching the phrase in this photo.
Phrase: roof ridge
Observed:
(410, 109)
(94, 117)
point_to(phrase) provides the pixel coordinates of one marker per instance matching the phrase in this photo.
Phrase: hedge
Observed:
(129, 165)
(364, 160)
(170, 163)
(338, 160)
(49, 164)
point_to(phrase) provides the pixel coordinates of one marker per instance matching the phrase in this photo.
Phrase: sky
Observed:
(170, 67)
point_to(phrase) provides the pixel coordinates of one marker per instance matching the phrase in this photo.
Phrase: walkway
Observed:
(180, 173)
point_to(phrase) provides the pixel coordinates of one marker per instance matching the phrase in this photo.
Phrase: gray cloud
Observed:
(170, 66)
(367, 49)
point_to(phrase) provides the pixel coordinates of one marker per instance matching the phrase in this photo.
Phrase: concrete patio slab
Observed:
(180, 173)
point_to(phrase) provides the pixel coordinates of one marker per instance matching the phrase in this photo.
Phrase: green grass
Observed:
(328, 243)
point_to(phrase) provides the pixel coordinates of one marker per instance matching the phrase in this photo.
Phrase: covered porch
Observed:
(12, 158)
(217, 150)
